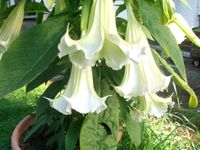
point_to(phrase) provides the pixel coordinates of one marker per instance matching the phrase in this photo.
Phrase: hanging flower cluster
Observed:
(100, 40)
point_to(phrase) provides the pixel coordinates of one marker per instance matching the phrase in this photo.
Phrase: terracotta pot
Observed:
(22, 126)
(27, 122)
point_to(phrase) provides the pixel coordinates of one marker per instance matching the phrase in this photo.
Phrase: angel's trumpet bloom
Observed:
(154, 105)
(12, 26)
(100, 39)
(80, 94)
(89, 44)
(144, 76)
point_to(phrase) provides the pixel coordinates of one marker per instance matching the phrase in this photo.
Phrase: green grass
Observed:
(13, 108)
(191, 114)
(168, 133)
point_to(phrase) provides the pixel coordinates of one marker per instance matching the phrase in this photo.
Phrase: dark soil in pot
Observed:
(37, 142)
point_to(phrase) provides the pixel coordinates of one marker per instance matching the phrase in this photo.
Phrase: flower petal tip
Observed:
(61, 105)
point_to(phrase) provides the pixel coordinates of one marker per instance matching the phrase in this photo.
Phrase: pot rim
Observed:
(21, 127)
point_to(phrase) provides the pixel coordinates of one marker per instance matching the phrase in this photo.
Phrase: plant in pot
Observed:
(101, 72)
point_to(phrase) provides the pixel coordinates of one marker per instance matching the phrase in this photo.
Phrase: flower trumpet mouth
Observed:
(99, 40)
(12, 26)
(152, 104)
(89, 44)
(80, 94)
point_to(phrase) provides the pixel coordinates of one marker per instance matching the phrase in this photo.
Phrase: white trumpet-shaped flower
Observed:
(154, 105)
(12, 26)
(133, 83)
(80, 94)
(144, 76)
(61, 105)
(150, 104)
(91, 40)
(99, 40)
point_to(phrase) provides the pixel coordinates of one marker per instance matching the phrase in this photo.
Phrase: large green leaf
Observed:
(151, 19)
(30, 54)
(100, 131)
(53, 69)
(1, 22)
(193, 101)
(73, 133)
(133, 127)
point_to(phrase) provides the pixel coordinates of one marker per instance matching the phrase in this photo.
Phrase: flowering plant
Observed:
(109, 75)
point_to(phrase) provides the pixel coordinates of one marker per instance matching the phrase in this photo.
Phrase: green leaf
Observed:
(114, 77)
(73, 133)
(120, 9)
(39, 122)
(30, 54)
(121, 26)
(193, 101)
(151, 19)
(3, 5)
(134, 130)
(133, 127)
(100, 131)
(1, 23)
(53, 70)
(57, 138)
(61, 138)
(85, 14)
